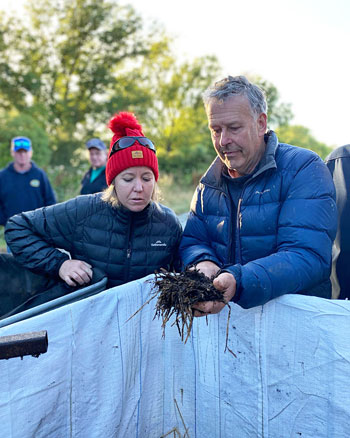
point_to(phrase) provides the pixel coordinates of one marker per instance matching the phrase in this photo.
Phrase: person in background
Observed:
(95, 178)
(23, 185)
(123, 233)
(338, 162)
(263, 217)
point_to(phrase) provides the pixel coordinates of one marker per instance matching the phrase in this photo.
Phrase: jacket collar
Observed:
(268, 159)
(125, 215)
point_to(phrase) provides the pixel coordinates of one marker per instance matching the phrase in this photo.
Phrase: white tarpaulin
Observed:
(104, 377)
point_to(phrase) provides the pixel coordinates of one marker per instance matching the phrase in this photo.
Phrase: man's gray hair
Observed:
(237, 86)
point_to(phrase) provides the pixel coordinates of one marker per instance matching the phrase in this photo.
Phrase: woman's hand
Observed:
(75, 272)
(224, 282)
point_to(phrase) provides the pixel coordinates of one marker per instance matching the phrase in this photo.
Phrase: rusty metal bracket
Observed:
(23, 344)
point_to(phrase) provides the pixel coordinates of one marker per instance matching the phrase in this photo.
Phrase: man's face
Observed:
(22, 158)
(98, 158)
(237, 135)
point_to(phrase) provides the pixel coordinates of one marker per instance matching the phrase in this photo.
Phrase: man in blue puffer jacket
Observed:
(263, 217)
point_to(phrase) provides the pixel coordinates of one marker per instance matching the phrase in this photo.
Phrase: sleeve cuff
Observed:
(204, 258)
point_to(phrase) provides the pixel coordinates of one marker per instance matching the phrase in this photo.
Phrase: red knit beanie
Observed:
(125, 124)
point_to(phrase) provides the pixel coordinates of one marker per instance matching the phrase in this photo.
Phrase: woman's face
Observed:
(134, 187)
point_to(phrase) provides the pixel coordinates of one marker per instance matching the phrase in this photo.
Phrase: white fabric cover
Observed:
(105, 377)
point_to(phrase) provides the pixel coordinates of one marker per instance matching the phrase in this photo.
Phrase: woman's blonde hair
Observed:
(109, 195)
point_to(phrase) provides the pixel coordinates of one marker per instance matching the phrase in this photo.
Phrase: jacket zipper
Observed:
(237, 249)
(232, 228)
(231, 253)
(128, 252)
(238, 228)
(234, 253)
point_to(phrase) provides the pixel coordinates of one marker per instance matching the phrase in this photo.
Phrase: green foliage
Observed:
(301, 136)
(66, 63)
(77, 62)
(66, 180)
(279, 114)
(2, 240)
(176, 119)
(176, 194)
(23, 125)
(71, 64)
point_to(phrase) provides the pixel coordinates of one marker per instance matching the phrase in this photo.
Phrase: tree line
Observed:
(69, 65)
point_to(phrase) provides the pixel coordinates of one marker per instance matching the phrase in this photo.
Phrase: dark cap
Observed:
(96, 143)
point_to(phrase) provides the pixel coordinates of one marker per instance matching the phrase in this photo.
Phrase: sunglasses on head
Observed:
(126, 142)
(21, 143)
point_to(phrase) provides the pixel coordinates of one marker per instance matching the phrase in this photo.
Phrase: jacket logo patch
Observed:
(261, 193)
(34, 183)
(159, 243)
(136, 154)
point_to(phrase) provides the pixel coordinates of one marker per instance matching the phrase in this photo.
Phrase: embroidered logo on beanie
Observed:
(136, 154)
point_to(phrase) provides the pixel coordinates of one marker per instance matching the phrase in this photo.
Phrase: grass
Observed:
(176, 196)
(2, 240)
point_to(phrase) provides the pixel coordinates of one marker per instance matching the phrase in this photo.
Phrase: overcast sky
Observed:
(301, 46)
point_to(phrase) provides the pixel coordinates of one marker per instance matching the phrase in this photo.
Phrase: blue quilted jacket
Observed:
(284, 228)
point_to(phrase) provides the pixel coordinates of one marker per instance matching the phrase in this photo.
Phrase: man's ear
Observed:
(262, 123)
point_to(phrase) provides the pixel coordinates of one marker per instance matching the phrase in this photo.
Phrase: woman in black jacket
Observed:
(123, 232)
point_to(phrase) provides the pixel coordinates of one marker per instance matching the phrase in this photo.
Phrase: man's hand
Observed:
(225, 282)
(208, 268)
(75, 272)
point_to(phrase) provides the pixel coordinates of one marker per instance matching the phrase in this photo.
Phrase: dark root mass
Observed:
(177, 293)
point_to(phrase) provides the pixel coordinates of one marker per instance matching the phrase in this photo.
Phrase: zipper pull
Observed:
(128, 253)
(239, 214)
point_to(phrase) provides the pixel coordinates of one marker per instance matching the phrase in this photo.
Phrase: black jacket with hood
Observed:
(338, 162)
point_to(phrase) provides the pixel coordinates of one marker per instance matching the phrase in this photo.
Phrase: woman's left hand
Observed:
(75, 272)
